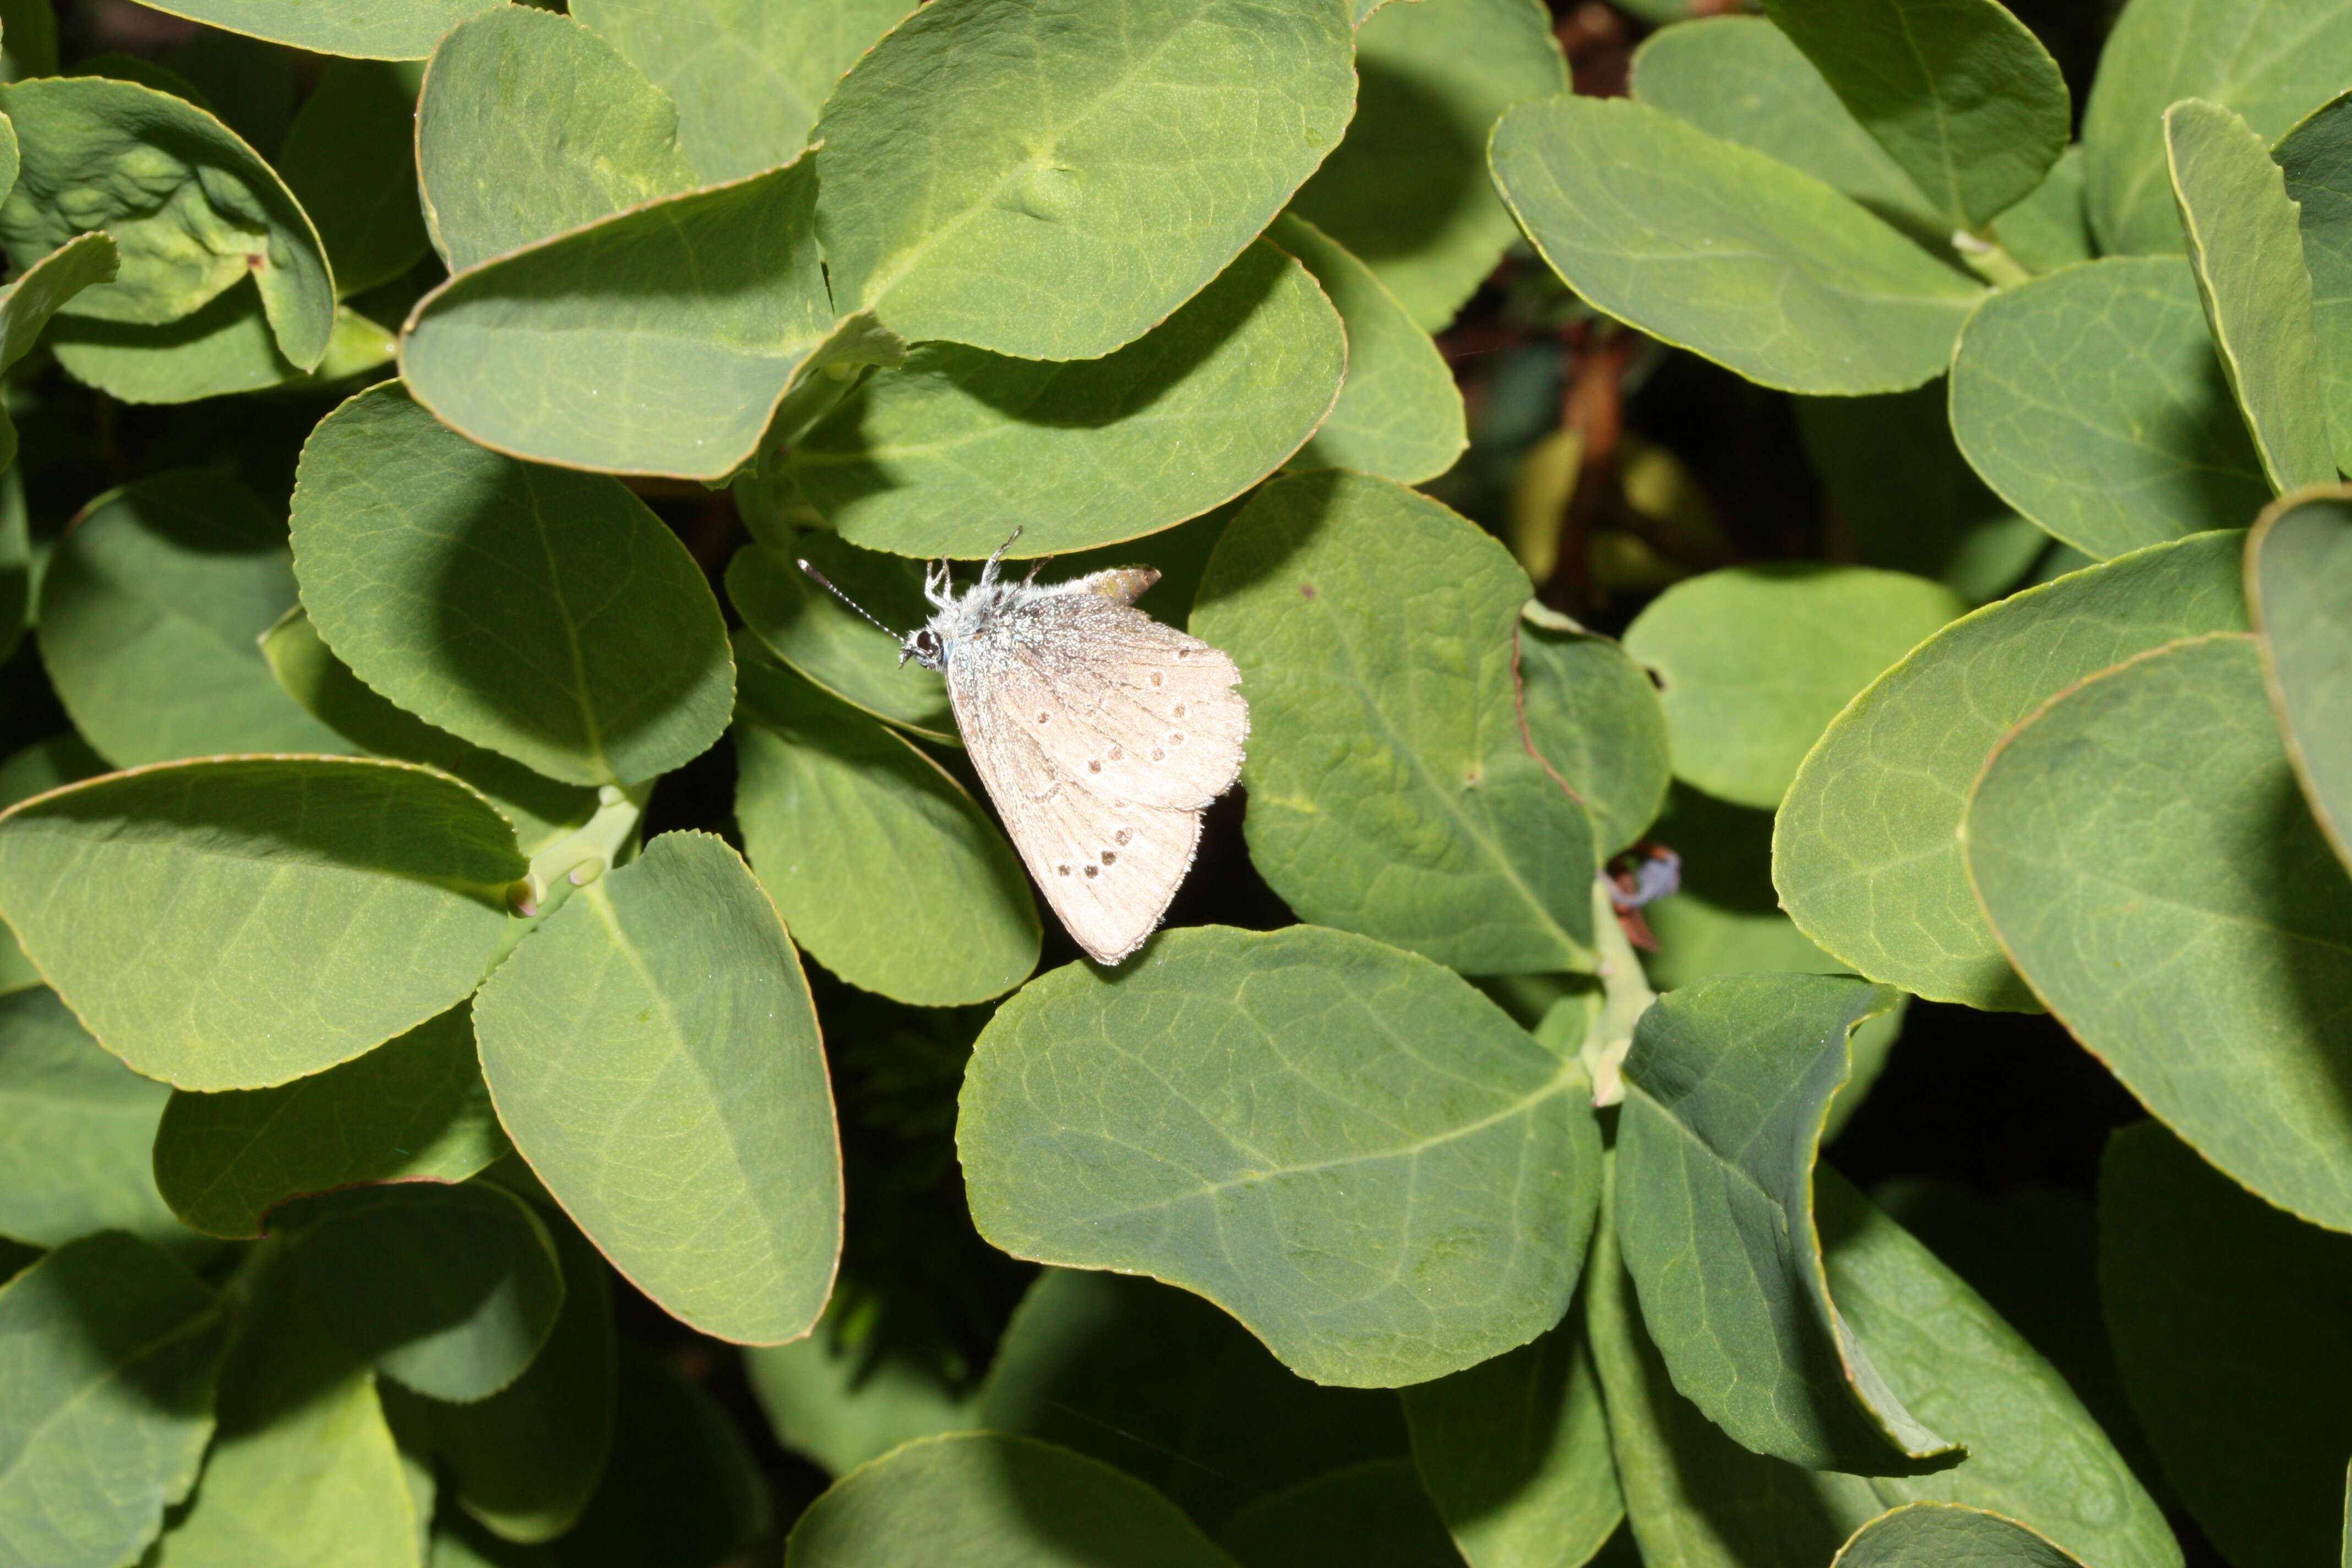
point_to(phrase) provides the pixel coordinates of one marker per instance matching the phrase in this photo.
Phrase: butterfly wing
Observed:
(1121, 703)
(1108, 866)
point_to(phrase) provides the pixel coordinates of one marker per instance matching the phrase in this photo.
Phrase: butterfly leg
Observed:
(988, 573)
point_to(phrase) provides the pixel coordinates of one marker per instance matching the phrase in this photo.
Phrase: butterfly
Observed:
(1099, 733)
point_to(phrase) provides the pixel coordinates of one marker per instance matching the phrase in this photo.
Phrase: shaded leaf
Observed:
(38, 293)
(839, 1401)
(1403, 1192)
(1755, 661)
(1515, 1454)
(831, 643)
(542, 614)
(1728, 1086)
(1172, 1391)
(1390, 792)
(1866, 854)
(32, 48)
(411, 1110)
(350, 158)
(108, 1352)
(1593, 717)
(224, 348)
(983, 1500)
(369, 29)
(964, 200)
(2299, 585)
(1406, 190)
(2144, 70)
(525, 1461)
(1960, 94)
(76, 1129)
(670, 980)
(150, 609)
(450, 1289)
(1719, 249)
(1398, 415)
(1371, 1515)
(40, 767)
(582, 350)
(2228, 1324)
(884, 869)
(1946, 1535)
(316, 907)
(950, 453)
(2247, 251)
(2315, 157)
(190, 207)
(530, 124)
(748, 77)
(2207, 970)
(2091, 400)
(2051, 228)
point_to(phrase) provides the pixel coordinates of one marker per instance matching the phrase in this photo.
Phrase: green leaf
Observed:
(1866, 854)
(1741, 79)
(2206, 969)
(108, 1351)
(1515, 1454)
(582, 350)
(2247, 250)
(1594, 720)
(316, 908)
(980, 1499)
(950, 453)
(1398, 415)
(2228, 1324)
(412, 1110)
(368, 30)
(2317, 160)
(1407, 189)
(1946, 1535)
(1960, 93)
(1910, 500)
(2144, 69)
(749, 77)
(78, 1126)
(1728, 1086)
(1390, 792)
(350, 158)
(963, 199)
(2299, 581)
(190, 208)
(32, 48)
(525, 1461)
(838, 1400)
(2051, 228)
(42, 766)
(2092, 400)
(1718, 248)
(224, 348)
(1371, 1515)
(449, 1289)
(150, 609)
(540, 810)
(38, 293)
(1755, 661)
(530, 124)
(1467, 1150)
(1172, 1391)
(545, 615)
(2299, 585)
(885, 869)
(670, 980)
(306, 1473)
(834, 645)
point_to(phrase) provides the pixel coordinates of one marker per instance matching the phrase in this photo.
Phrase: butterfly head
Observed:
(923, 645)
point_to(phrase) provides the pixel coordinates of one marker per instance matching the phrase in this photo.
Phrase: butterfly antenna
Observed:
(826, 583)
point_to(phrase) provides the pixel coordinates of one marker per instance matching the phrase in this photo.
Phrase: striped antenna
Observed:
(826, 583)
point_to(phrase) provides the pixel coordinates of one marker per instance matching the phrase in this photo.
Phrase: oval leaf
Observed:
(2206, 970)
(835, 646)
(944, 212)
(608, 663)
(1404, 1193)
(1867, 849)
(412, 1110)
(951, 452)
(1946, 1535)
(1390, 790)
(1362, 1516)
(1714, 247)
(1755, 661)
(1593, 716)
(369, 29)
(360, 898)
(2299, 583)
(350, 157)
(672, 978)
